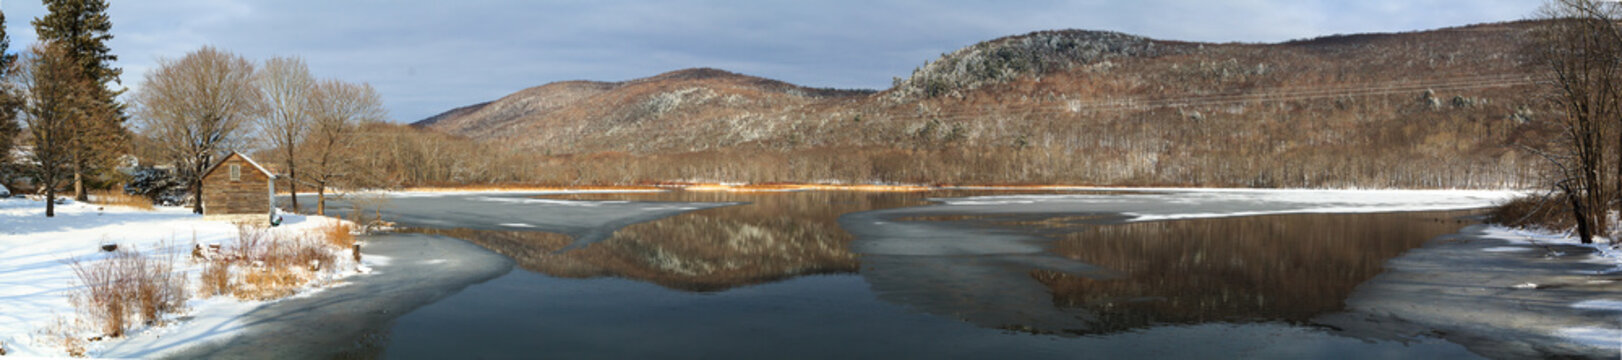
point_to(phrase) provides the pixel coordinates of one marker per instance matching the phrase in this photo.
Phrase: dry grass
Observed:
(119, 198)
(65, 333)
(127, 287)
(267, 283)
(1547, 212)
(338, 233)
(274, 264)
(216, 278)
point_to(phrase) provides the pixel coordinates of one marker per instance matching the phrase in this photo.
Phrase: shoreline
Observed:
(346, 320)
(1490, 289)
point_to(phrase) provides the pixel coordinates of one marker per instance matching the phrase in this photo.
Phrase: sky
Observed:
(428, 56)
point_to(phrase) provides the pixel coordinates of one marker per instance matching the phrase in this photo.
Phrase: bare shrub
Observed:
(159, 289)
(252, 244)
(1547, 212)
(128, 286)
(368, 211)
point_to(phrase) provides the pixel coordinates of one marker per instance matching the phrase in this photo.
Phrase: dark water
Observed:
(777, 277)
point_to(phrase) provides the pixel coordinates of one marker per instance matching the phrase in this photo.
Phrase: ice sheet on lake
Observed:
(1168, 204)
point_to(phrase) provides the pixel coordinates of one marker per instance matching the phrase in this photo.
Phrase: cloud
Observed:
(426, 56)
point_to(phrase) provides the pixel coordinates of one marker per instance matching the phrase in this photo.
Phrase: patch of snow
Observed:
(35, 280)
(1612, 305)
(550, 201)
(1593, 336)
(376, 260)
(1502, 249)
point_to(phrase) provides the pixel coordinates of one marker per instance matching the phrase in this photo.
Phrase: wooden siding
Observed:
(246, 196)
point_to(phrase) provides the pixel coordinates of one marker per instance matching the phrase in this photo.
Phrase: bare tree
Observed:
(286, 84)
(196, 107)
(337, 111)
(1579, 48)
(56, 93)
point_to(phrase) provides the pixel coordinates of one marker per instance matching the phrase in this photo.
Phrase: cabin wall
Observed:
(246, 196)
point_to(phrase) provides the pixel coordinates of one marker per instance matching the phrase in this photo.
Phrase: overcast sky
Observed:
(427, 56)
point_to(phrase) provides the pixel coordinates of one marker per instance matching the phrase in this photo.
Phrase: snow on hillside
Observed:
(36, 280)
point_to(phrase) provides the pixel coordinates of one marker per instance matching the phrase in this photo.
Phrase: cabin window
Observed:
(236, 172)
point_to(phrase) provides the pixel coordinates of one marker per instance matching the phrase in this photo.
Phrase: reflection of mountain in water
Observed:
(777, 236)
(1077, 272)
(1285, 268)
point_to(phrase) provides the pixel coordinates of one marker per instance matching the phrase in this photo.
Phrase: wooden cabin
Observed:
(238, 185)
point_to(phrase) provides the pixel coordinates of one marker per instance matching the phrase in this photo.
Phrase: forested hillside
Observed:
(1452, 107)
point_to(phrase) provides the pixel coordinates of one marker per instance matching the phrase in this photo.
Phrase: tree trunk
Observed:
(50, 201)
(197, 196)
(78, 186)
(321, 199)
(1580, 214)
(292, 185)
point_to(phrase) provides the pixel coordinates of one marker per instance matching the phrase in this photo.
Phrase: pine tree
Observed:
(83, 29)
(9, 102)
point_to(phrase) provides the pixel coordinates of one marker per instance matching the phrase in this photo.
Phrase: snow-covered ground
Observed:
(36, 280)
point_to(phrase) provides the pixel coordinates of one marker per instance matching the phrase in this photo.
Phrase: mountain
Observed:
(1440, 108)
(595, 115)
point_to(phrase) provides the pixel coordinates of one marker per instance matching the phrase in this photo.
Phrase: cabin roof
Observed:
(244, 158)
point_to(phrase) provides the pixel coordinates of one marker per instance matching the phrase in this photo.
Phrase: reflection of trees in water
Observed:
(1266, 268)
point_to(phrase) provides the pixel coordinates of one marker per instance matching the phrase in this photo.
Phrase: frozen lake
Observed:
(967, 275)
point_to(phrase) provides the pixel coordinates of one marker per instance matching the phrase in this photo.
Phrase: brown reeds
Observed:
(119, 198)
(216, 278)
(338, 233)
(275, 264)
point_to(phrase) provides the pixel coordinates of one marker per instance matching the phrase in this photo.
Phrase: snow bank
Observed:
(1149, 204)
(35, 280)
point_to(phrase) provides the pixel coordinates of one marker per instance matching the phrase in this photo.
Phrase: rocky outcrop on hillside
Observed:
(1013, 57)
